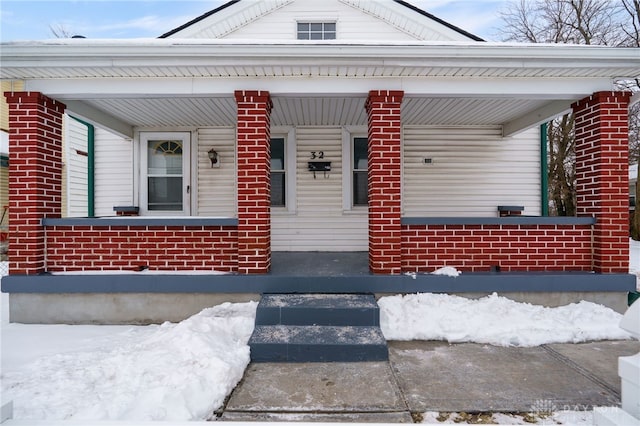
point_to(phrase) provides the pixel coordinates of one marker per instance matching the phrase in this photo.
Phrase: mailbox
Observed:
(319, 166)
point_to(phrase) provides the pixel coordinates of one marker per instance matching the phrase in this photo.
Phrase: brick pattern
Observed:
(35, 176)
(385, 168)
(602, 176)
(477, 248)
(254, 181)
(167, 248)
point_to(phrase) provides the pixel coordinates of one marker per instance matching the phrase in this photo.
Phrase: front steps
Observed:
(318, 328)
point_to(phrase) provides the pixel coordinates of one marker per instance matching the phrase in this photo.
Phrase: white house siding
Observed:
(351, 23)
(473, 171)
(217, 185)
(75, 176)
(319, 223)
(113, 172)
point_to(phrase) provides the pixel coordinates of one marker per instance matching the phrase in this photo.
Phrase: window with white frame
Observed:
(359, 170)
(316, 30)
(278, 173)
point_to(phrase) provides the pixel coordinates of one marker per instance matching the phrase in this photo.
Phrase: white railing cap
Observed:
(631, 320)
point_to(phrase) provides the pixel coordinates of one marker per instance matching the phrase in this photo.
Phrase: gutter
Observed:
(90, 166)
(142, 50)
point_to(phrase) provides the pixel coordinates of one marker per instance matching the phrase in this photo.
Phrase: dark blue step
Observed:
(318, 309)
(295, 343)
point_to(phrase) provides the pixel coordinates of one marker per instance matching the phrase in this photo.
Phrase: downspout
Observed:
(544, 171)
(90, 166)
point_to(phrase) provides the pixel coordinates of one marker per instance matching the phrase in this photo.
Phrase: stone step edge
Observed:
(305, 300)
(314, 335)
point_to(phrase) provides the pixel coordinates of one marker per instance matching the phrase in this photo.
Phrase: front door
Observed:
(165, 177)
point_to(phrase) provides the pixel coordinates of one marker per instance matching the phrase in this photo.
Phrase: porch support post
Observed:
(385, 166)
(254, 181)
(602, 177)
(35, 176)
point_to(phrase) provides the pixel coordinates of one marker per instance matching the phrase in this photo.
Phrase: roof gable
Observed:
(355, 20)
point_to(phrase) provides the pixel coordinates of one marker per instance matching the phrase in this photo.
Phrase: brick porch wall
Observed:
(35, 176)
(476, 248)
(602, 175)
(170, 248)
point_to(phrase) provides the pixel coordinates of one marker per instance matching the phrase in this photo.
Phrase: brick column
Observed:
(602, 177)
(385, 165)
(254, 182)
(35, 176)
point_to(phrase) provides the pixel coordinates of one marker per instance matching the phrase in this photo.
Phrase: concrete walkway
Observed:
(433, 376)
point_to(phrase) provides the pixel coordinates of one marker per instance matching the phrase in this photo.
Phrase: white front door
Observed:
(165, 173)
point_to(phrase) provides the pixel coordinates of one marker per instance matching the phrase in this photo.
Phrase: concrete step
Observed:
(309, 343)
(318, 309)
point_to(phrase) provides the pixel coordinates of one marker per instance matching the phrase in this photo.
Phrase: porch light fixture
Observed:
(213, 157)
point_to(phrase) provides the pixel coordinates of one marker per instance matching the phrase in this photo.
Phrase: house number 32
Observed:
(317, 154)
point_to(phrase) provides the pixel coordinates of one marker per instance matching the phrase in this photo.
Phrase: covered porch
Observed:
(446, 126)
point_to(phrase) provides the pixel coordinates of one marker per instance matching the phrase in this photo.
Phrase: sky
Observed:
(33, 19)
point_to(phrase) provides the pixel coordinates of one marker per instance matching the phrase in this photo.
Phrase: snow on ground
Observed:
(184, 371)
(178, 371)
(494, 320)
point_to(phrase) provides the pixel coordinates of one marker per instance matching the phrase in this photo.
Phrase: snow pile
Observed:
(177, 372)
(494, 320)
(448, 271)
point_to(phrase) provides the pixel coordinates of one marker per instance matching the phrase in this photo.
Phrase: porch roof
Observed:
(122, 84)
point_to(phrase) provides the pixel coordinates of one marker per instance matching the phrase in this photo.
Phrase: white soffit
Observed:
(312, 111)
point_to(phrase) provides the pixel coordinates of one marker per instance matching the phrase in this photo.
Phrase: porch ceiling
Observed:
(310, 111)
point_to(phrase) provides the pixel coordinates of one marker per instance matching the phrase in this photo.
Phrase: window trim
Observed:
(283, 171)
(348, 134)
(288, 134)
(323, 32)
(355, 170)
(144, 138)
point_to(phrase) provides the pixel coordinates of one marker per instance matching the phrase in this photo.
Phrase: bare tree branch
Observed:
(632, 29)
(578, 22)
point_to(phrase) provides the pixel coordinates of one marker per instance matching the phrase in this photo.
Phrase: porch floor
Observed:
(320, 264)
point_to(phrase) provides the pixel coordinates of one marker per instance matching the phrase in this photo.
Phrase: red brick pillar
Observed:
(385, 165)
(35, 176)
(254, 182)
(602, 176)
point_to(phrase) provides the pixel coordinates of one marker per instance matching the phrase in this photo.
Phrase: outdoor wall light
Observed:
(213, 157)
